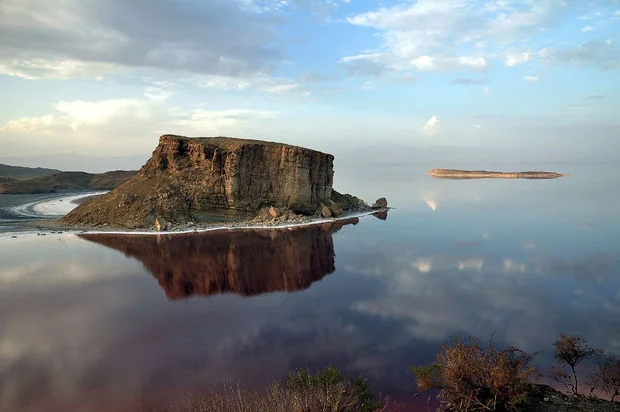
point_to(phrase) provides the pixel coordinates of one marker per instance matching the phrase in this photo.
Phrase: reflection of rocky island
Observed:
(481, 174)
(246, 262)
(196, 180)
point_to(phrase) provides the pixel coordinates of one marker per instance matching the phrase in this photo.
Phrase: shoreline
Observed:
(42, 229)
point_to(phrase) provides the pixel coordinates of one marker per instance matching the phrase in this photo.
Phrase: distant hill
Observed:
(63, 181)
(17, 172)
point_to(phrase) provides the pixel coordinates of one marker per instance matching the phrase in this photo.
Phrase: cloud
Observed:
(465, 80)
(128, 126)
(593, 96)
(587, 29)
(74, 114)
(514, 58)
(487, 90)
(79, 38)
(208, 120)
(602, 54)
(365, 65)
(531, 78)
(448, 35)
(431, 126)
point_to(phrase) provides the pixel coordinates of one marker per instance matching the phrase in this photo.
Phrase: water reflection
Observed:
(248, 262)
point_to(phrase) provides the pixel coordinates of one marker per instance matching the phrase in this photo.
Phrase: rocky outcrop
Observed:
(205, 179)
(247, 262)
(481, 174)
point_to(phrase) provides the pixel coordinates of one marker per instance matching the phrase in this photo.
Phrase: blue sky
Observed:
(106, 78)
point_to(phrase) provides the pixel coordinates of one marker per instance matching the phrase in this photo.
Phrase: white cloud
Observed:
(531, 78)
(514, 58)
(602, 54)
(428, 63)
(39, 68)
(261, 83)
(74, 114)
(436, 35)
(587, 29)
(157, 93)
(487, 90)
(213, 120)
(128, 126)
(431, 126)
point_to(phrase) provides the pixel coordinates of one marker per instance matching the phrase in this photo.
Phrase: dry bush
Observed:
(570, 351)
(470, 378)
(325, 391)
(606, 376)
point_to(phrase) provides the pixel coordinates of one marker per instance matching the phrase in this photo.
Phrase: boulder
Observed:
(324, 211)
(333, 207)
(381, 203)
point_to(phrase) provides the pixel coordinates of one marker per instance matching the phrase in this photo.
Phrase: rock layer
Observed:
(248, 262)
(194, 179)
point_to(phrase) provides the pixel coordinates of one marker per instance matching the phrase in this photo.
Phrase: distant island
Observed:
(483, 174)
(189, 182)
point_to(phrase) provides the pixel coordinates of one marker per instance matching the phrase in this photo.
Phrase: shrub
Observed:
(471, 378)
(303, 391)
(606, 376)
(570, 351)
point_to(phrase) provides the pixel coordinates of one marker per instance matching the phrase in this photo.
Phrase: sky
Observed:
(95, 78)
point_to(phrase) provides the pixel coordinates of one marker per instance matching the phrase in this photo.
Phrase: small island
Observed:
(484, 174)
(205, 181)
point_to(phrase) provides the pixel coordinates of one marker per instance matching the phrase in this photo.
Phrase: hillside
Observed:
(19, 172)
(64, 181)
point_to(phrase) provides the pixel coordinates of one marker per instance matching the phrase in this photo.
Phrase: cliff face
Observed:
(246, 262)
(194, 178)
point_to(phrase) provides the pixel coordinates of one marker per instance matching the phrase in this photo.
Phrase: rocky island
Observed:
(482, 174)
(196, 181)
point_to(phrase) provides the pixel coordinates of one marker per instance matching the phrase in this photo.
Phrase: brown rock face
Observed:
(248, 262)
(192, 178)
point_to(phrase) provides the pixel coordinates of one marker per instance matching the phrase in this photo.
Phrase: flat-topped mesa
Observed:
(480, 174)
(197, 179)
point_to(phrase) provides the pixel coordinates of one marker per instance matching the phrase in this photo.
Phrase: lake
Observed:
(118, 322)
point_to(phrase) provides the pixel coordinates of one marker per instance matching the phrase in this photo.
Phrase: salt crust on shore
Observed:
(53, 206)
(59, 206)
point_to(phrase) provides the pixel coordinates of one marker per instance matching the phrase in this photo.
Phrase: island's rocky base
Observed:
(484, 174)
(201, 181)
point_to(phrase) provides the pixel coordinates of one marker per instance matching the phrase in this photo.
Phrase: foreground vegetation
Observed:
(465, 377)
(468, 377)
(326, 390)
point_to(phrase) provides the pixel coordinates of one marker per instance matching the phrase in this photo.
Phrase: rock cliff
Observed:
(248, 262)
(202, 179)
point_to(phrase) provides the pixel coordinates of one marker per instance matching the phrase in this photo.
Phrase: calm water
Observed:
(113, 322)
